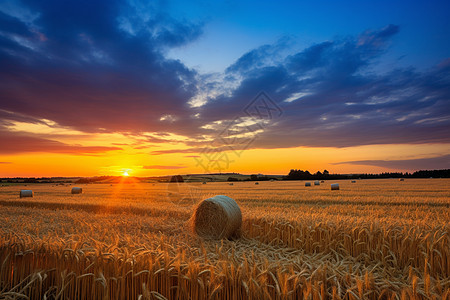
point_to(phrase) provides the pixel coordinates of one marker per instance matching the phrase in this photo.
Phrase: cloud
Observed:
(14, 143)
(172, 151)
(101, 67)
(331, 97)
(433, 163)
(159, 167)
(207, 149)
(5, 162)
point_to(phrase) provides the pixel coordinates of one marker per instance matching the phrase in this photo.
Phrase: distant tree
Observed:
(253, 177)
(176, 178)
(232, 179)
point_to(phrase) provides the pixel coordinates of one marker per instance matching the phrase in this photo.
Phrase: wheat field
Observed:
(373, 239)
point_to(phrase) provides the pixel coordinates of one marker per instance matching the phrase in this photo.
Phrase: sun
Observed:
(125, 173)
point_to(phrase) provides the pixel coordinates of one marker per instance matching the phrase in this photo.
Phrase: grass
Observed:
(373, 239)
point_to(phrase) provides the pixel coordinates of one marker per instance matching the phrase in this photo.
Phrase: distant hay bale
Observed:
(317, 182)
(231, 183)
(256, 183)
(204, 182)
(26, 193)
(307, 183)
(334, 186)
(77, 190)
(322, 181)
(217, 218)
(272, 180)
(402, 179)
(353, 181)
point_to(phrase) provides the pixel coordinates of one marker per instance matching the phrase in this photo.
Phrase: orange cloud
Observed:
(13, 143)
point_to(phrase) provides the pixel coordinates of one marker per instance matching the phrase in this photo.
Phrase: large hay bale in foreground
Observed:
(335, 186)
(77, 190)
(26, 193)
(217, 218)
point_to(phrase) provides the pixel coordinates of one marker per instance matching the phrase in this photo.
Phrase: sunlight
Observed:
(125, 173)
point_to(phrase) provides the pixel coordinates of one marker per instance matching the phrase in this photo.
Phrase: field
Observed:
(373, 239)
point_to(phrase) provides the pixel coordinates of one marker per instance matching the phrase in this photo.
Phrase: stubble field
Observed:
(373, 239)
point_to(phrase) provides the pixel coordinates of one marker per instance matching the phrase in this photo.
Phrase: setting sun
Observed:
(125, 173)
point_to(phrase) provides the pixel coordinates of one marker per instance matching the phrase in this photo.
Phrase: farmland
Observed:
(373, 239)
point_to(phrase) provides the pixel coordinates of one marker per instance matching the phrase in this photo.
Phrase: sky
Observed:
(150, 88)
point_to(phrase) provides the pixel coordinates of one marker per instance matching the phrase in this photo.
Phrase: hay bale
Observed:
(26, 193)
(217, 218)
(317, 182)
(334, 186)
(307, 183)
(77, 190)
(323, 181)
(256, 183)
(353, 181)
(402, 179)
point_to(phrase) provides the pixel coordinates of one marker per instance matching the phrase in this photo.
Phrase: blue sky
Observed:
(165, 73)
(233, 27)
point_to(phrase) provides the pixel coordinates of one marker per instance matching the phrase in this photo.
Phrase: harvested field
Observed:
(377, 239)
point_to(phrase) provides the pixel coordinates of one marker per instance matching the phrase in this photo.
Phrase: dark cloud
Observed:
(331, 98)
(159, 167)
(100, 66)
(86, 65)
(434, 163)
(5, 162)
(14, 143)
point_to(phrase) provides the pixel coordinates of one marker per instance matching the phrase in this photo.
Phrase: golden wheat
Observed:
(132, 242)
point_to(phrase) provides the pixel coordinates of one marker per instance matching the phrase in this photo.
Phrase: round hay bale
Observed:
(26, 193)
(256, 183)
(402, 179)
(77, 190)
(353, 181)
(317, 182)
(307, 183)
(334, 186)
(323, 181)
(217, 218)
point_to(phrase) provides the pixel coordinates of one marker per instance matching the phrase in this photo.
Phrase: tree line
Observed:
(295, 174)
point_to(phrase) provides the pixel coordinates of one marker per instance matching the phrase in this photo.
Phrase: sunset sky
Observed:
(149, 88)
